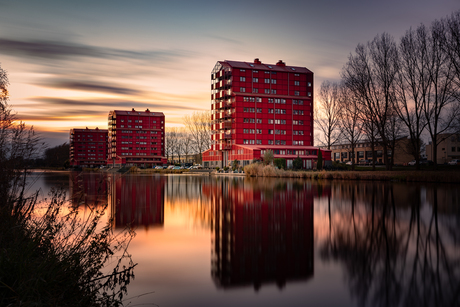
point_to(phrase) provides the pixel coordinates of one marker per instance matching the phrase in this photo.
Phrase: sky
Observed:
(71, 62)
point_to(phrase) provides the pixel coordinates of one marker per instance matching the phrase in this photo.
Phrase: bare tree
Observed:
(412, 86)
(187, 144)
(199, 126)
(328, 113)
(171, 139)
(441, 108)
(450, 42)
(350, 120)
(370, 75)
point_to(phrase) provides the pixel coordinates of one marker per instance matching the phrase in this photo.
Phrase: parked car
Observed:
(412, 163)
(454, 162)
(349, 163)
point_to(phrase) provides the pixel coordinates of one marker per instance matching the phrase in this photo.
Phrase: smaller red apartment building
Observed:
(136, 138)
(258, 107)
(88, 147)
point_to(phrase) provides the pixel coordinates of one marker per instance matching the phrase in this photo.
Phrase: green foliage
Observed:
(280, 163)
(268, 157)
(320, 160)
(235, 164)
(297, 163)
(226, 168)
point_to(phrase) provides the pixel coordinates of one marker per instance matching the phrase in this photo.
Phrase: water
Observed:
(233, 241)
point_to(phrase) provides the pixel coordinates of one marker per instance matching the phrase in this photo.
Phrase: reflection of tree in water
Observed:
(395, 254)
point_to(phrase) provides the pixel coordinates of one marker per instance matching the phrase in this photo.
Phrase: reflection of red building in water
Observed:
(137, 200)
(261, 235)
(88, 188)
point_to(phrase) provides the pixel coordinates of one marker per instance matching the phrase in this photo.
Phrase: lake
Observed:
(235, 241)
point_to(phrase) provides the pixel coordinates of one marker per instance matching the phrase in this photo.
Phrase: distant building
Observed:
(447, 150)
(258, 107)
(136, 138)
(363, 151)
(88, 147)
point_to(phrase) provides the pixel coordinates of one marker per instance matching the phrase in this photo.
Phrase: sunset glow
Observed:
(69, 64)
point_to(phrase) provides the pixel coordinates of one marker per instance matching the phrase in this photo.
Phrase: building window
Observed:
(259, 110)
(296, 93)
(267, 91)
(242, 89)
(259, 121)
(309, 94)
(259, 142)
(309, 84)
(270, 142)
(270, 131)
(242, 70)
(270, 100)
(255, 90)
(273, 91)
(273, 81)
(296, 82)
(255, 80)
(258, 99)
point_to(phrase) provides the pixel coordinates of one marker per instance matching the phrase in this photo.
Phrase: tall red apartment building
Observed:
(88, 147)
(136, 138)
(258, 107)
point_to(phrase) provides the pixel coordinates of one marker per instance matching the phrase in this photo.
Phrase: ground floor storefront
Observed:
(246, 154)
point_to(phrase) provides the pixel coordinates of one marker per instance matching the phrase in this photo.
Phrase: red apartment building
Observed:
(88, 147)
(258, 107)
(136, 138)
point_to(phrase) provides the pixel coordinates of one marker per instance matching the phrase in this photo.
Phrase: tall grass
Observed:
(258, 170)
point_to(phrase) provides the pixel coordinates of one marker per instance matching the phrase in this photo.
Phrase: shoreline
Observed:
(428, 176)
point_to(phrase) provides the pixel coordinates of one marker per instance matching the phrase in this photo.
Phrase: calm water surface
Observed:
(220, 241)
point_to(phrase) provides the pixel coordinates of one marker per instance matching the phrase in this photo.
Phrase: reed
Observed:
(257, 170)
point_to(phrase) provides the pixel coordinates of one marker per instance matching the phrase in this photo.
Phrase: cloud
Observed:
(43, 49)
(92, 87)
(50, 103)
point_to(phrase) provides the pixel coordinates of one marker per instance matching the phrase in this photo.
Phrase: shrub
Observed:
(268, 157)
(297, 163)
(280, 163)
(320, 160)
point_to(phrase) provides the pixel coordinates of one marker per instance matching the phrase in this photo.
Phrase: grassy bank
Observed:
(452, 176)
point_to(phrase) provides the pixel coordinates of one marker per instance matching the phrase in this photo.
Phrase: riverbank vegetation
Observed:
(261, 170)
(50, 253)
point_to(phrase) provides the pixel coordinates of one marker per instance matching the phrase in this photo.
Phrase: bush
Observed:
(320, 160)
(268, 157)
(280, 163)
(297, 163)
(49, 254)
